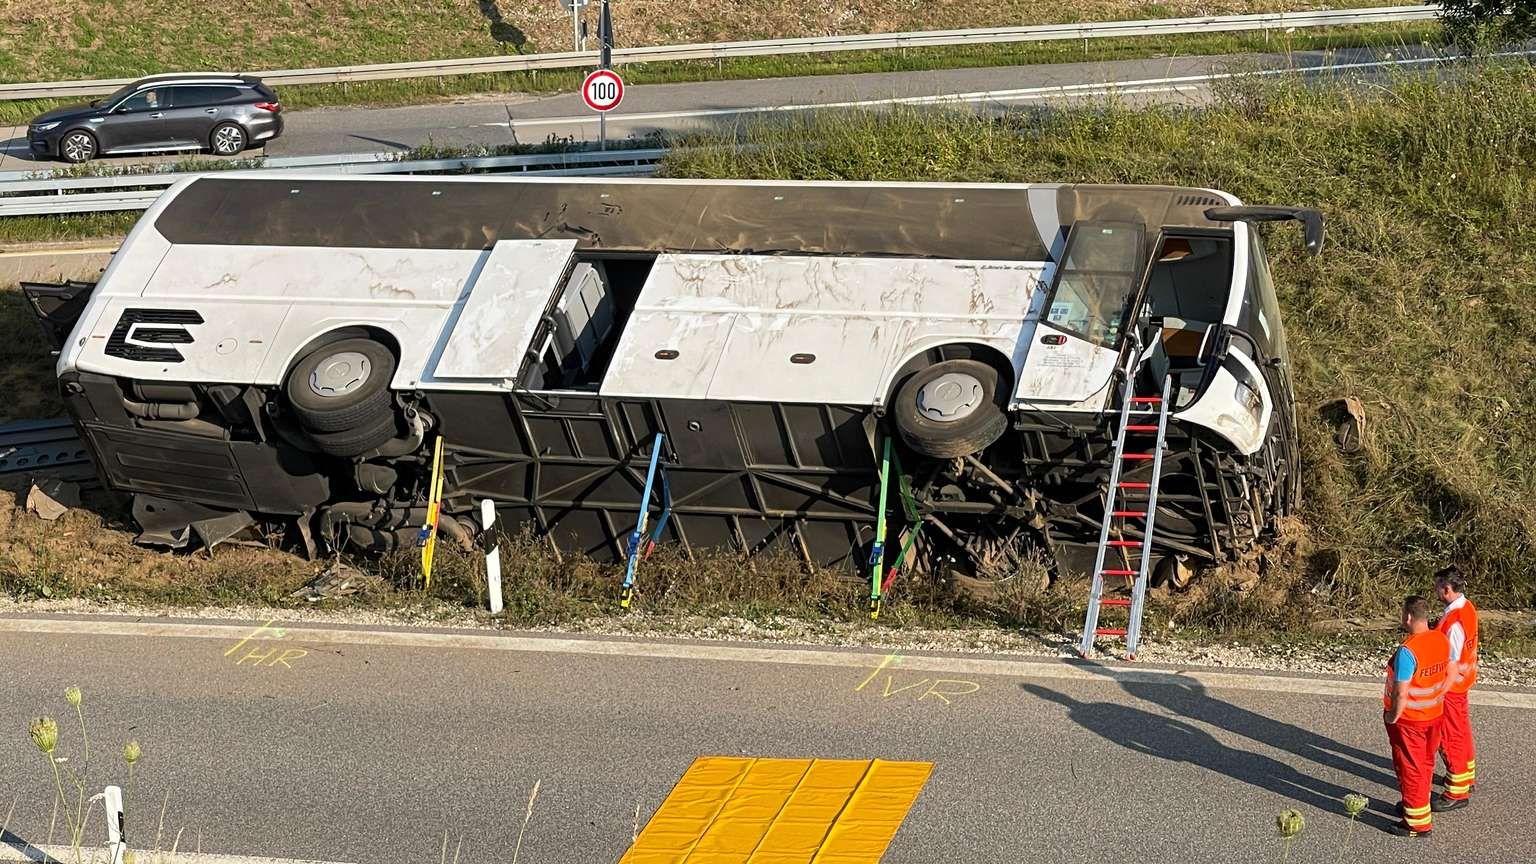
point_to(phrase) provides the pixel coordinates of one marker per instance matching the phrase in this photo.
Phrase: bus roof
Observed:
(1021, 222)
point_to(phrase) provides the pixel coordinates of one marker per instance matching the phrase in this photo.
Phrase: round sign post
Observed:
(603, 90)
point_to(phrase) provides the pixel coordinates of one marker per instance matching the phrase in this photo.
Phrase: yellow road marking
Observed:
(249, 636)
(743, 810)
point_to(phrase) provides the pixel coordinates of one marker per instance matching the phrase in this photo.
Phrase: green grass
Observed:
(82, 226)
(419, 90)
(1422, 306)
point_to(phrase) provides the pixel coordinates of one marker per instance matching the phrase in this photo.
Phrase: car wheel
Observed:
(950, 409)
(78, 146)
(342, 386)
(227, 139)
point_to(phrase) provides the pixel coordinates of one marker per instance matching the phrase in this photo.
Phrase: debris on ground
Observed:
(337, 580)
(1348, 418)
(52, 498)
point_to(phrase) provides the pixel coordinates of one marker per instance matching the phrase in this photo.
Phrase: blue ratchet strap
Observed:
(666, 513)
(632, 553)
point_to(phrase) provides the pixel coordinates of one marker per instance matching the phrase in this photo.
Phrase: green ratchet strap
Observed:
(877, 551)
(914, 524)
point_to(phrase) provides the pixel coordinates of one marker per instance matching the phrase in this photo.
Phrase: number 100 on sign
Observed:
(603, 90)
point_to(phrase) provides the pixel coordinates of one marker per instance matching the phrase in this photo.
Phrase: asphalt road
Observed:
(366, 747)
(519, 118)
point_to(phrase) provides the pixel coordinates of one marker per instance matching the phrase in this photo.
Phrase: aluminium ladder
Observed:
(1117, 509)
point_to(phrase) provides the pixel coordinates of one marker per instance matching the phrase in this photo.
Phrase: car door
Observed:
(136, 123)
(194, 109)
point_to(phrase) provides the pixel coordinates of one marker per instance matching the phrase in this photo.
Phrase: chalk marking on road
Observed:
(266, 631)
(58, 854)
(1005, 667)
(1052, 91)
(933, 690)
(249, 636)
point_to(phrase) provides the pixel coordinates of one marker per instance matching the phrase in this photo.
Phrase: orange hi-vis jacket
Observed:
(1426, 691)
(1466, 615)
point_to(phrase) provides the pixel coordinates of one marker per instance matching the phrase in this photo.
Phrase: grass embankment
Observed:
(110, 39)
(1421, 307)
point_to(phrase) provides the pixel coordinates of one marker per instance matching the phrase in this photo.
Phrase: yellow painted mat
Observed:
(742, 810)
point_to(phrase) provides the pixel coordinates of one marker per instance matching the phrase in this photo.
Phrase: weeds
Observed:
(44, 732)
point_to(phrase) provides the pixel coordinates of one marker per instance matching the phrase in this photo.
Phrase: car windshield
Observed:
(116, 96)
(1098, 280)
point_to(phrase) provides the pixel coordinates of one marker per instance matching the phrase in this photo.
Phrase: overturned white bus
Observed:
(286, 348)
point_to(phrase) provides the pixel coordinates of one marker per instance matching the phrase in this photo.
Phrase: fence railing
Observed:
(768, 47)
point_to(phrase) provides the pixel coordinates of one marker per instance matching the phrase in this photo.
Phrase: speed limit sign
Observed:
(603, 90)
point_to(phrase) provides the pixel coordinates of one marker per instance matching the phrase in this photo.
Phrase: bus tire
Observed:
(342, 386)
(950, 409)
(356, 442)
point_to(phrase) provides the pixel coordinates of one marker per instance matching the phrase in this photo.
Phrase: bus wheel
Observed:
(1172, 572)
(950, 409)
(340, 392)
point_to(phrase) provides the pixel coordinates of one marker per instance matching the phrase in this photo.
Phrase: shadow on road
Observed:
(25, 849)
(1178, 740)
(1191, 699)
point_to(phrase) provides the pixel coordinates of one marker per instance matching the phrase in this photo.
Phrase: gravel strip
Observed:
(1315, 656)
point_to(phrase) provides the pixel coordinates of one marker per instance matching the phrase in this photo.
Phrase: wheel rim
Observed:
(78, 148)
(227, 140)
(340, 374)
(950, 397)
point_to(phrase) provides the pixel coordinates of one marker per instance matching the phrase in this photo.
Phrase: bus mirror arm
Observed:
(1310, 218)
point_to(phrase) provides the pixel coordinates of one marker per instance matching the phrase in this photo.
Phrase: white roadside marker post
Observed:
(492, 553)
(112, 802)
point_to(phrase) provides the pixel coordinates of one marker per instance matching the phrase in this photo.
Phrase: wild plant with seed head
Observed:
(1354, 805)
(1290, 823)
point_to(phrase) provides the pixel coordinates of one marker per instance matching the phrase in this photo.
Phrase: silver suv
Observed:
(224, 114)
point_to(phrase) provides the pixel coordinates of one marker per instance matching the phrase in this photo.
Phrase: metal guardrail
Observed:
(36, 445)
(36, 197)
(768, 47)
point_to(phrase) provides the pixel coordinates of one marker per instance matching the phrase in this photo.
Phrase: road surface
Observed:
(367, 746)
(518, 118)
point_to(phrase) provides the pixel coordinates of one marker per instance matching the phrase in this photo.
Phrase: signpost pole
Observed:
(605, 38)
(575, 26)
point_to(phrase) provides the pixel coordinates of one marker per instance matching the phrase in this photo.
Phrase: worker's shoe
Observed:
(1442, 804)
(1403, 829)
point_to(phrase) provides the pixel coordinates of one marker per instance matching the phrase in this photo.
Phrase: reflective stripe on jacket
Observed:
(1465, 614)
(1426, 690)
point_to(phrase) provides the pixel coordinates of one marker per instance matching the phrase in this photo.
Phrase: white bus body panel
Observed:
(736, 321)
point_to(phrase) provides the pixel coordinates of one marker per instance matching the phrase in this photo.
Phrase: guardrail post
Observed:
(492, 553)
(112, 803)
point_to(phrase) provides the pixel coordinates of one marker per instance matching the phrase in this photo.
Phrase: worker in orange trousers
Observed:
(1413, 703)
(1459, 624)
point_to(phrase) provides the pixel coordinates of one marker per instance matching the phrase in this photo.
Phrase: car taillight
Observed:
(274, 107)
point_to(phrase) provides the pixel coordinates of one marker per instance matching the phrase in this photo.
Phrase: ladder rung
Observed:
(1114, 601)
(1109, 631)
(1141, 427)
(1134, 484)
(1146, 400)
(1137, 514)
(1138, 456)
(1118, 572)
(1125, 544)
